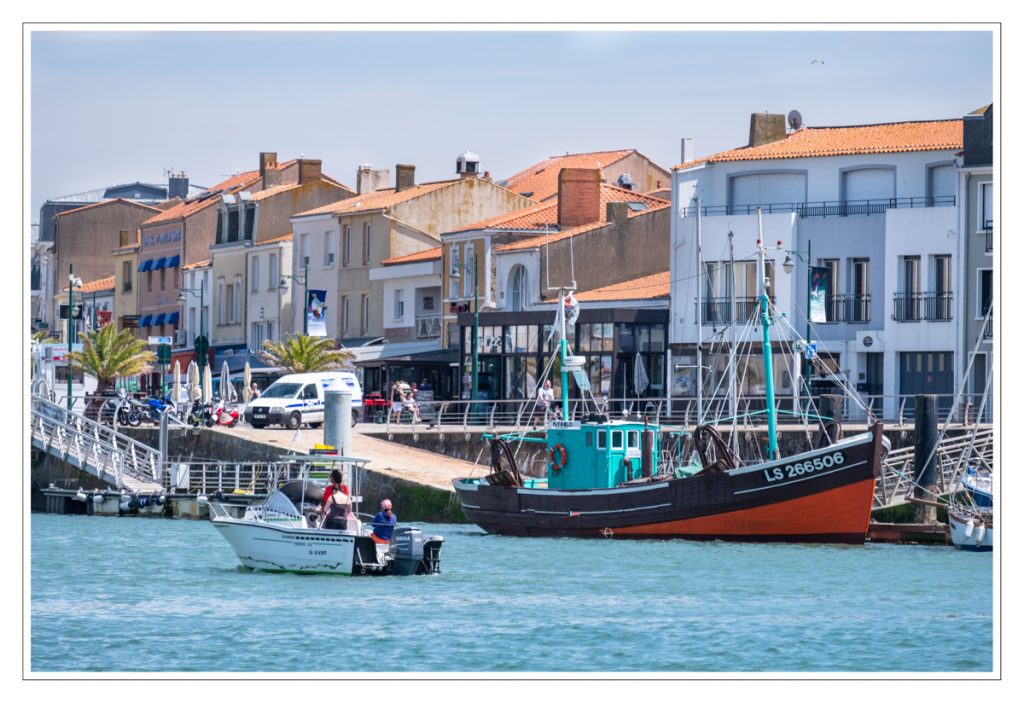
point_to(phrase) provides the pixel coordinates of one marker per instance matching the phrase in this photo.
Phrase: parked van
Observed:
(298, 399)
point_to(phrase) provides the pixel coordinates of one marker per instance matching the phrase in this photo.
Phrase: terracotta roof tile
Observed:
(377, 200)
(608, 194)
(106, 202)
(646, 288)
(425, 255)
(275, 240)
(843, 141)
(540, 181)
(97, 286)
(197, 265)
(189, 207)
(267, 192)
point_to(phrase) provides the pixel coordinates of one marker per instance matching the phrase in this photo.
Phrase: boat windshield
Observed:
(282, 390)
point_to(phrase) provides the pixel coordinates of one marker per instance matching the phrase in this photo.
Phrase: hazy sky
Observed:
(114, 107)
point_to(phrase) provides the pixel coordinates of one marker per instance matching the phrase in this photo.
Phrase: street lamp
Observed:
(303, 281)
(476, 325)
(73, 282)
(787, 266)
(201, 342)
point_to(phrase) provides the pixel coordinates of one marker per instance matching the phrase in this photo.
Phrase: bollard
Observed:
(338, 421)
(926, 434)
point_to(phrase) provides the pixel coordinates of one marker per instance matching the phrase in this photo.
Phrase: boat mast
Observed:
(562, 345)
(733, 391)
(700, 326)
(766, 344)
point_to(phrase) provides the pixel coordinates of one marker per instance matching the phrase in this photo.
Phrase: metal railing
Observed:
(94, 447)
(827, 208)
(715, 311)
(897, 476)
(987, 333)
(988, 237)
(848, 308)
(915, 307)
(428, 327)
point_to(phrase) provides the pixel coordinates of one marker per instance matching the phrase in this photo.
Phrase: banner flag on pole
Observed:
(316, 313)
(819, 285)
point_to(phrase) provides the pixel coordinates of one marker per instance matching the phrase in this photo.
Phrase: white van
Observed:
(298, 399)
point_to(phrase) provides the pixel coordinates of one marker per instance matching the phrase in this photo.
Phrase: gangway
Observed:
(95, 448)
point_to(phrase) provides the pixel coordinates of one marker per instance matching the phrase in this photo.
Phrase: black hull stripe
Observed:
(580, 513)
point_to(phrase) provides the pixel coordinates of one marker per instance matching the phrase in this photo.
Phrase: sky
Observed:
(120, 106)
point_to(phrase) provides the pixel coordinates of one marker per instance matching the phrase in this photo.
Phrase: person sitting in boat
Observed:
(336, 504)
(545, 398)
(384, 523)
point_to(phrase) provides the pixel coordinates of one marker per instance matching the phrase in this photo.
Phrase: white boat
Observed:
(971, 528)
(283, 533)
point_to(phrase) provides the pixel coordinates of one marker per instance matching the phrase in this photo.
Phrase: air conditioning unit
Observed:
(180, 337)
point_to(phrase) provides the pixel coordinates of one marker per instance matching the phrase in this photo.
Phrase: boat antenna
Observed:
(700, 325)
(766, 343)
(562, 343)
(734, 402)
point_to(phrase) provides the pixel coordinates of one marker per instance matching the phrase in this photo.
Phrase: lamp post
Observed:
(302, 280)
(476, 327)
(72, 284)
(201, 342)
(787, 266)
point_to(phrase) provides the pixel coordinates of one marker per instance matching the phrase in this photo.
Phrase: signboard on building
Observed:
(129, 321)
(104, 317)
(159, 340)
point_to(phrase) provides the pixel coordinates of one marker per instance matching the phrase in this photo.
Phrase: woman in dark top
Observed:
(336, 504)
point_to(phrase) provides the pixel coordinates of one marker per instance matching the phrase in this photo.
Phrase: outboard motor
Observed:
(411, 553)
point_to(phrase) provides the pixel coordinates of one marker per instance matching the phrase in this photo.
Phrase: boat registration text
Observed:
(803, 468)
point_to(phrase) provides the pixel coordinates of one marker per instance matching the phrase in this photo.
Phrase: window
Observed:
(328, 250)
(366, 243)
(344, 315)
(602, 439)
(237, 312)
(454, 269)
(633, 439)
(346, 245)
(220, 227)
(942, 181)
(911, 274)
(221, 302)
(126, 276)
(365, 319)
(616, 439)
(163, 279)
(272, 277)
(833, 305)
(984, 293)
(943, 268)
(517, 289)
(762, 188)
(149, 281)
(250, 221)
(304, 250)
(309, 392)
(985, 212)
(254, 274)
(233, 224)
(399, 305)
(467, 287)
(869, 184)
(861, 282)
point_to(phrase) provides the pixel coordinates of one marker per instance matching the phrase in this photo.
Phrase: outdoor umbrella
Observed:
(207, 384)
(176, 388)
(194, 391)
(640, 379)
(227, 391)
(246, 382)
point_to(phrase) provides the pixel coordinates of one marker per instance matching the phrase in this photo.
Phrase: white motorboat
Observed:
(283, 532)
(971, 528)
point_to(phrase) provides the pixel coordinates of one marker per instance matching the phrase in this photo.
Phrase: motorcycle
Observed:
(121, 410)
(223, 415)
(155, 408)
(199, 414)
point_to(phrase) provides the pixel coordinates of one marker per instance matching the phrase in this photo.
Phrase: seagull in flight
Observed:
(821, 61)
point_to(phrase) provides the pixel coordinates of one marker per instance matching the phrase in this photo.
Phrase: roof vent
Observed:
(467, 165)
(625, 181)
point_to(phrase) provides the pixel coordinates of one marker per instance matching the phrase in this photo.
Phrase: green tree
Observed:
(300, 354)
(43, 337)
(109, 355)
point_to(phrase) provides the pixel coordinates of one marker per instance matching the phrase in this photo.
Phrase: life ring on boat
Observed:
(628, 466)
(557, 458)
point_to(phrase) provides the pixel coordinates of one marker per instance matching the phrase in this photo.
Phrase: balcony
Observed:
(833, 208)
(718, 311)
(987, 333)
(848, 308)
(428, 327)
(988, 236)
(915, 307)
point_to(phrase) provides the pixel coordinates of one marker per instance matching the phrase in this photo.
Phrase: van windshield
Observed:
(282, 390)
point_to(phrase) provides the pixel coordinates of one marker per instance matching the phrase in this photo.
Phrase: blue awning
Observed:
(158, 264)
(145, 265)
(173, 261)
(158, 320)
(144, 320)
(172, 318)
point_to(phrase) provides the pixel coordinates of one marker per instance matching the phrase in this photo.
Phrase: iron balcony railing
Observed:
(915, 307)
(718, 311)
(988, 236)
(848, 308)
(834, 208)
(428, 327)
(988, 327)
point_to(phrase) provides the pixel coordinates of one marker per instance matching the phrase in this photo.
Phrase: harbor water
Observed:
(155, 595)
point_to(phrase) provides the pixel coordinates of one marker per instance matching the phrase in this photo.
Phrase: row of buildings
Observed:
(400, 272)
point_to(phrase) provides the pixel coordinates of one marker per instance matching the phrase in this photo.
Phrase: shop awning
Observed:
(173, 261)
(158, 320)
(144, 320)
(172, 318)
(145, 265)
(158, 264)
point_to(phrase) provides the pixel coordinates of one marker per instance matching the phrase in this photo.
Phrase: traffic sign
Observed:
(158, 340)
(811, 350)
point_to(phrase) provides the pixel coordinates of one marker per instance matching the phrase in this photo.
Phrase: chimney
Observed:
(268, 161)
(617, 213)
(369, 179)
(765, 128)
(686, 150)
(177, 185)
(309, 170)
(405, 176)
(579, 196)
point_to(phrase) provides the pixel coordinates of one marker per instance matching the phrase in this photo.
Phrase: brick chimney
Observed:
(309, 170)
(268, 161)
(765, 128)
(405, 176)
(617, 213)
(579, 196)
(369, 179)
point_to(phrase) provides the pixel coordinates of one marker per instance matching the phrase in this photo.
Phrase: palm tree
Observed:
(108, 355)
(43, 337)
(301, 354)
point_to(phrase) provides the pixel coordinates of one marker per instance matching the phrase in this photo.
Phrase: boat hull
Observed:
(969, 532)
(269, 547)
(804, 498)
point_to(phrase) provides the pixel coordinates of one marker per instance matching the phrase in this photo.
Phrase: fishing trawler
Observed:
(604, 478)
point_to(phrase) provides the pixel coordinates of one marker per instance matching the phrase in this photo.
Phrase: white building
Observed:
(269, 303)
(876, 205)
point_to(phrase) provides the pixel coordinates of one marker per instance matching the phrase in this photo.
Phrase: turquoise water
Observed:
(152, 595)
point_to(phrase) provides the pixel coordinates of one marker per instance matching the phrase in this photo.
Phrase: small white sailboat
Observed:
(283, 533)
(971, 528)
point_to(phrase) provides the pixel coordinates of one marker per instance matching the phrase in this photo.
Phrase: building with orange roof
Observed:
(622, 167)
(126, 289)
(96, 300)
(873, 208)
(337, 246)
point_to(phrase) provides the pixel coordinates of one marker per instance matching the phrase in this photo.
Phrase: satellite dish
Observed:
(795, 120)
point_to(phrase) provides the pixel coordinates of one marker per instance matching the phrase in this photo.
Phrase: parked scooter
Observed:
(127, 409)
(199, 414)
(223, 415)
(155, 408)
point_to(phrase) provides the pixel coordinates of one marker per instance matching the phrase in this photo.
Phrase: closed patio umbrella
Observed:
(246, 382)
(207, 384)
(194, 391)
(176, 388)
(226, 391)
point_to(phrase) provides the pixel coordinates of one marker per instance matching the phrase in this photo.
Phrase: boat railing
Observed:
(242, 478)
